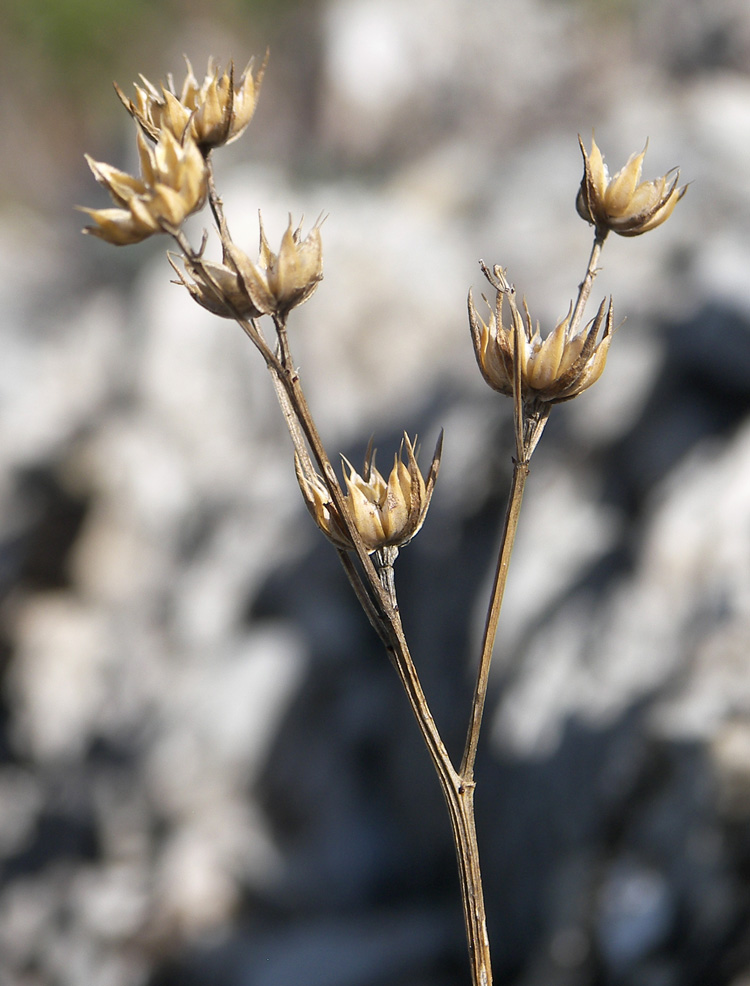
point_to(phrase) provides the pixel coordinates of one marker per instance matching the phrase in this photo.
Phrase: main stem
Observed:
(458, 790)
(459, 798)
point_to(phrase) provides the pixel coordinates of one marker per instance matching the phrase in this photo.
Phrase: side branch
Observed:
(512, 513)
(584, 288)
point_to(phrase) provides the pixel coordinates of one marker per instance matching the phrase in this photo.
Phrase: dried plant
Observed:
(371, 518)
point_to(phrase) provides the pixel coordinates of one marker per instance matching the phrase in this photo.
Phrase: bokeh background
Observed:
(208, 774)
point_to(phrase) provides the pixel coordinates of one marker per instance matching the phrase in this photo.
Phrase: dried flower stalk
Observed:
(372, 518)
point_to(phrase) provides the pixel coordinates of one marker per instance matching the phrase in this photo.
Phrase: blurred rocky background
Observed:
(208, 774)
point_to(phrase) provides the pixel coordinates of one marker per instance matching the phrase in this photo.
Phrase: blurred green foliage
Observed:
(58, 59)
(78, 41)
(69, 33)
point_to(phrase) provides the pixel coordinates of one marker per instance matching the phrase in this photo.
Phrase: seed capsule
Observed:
(624, 204)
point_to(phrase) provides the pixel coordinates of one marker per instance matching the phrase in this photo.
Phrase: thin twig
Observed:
(365, 600)
(379, 603)
(216, 204)
(285, 354)
(584, 288)
(513, 510)
(529, 420)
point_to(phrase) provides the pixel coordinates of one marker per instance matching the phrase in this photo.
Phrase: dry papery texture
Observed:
(610, 730)
(377, 517)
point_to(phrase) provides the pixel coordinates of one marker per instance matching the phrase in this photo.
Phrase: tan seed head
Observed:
(624, 204)
(216, 111)
(553, 369)
(281, 281)
(173, 184)
(385, 513)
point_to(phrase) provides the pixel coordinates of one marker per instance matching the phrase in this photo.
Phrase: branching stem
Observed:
(374, 584)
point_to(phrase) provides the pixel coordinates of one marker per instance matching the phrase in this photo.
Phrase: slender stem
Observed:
(375, 591)
(584, 288)
(217, 205)
(285, 353)
(459, 798)
(364, 596)
(377, 598)
(513, 510)
(472, 894)
(380, 605)
(290, 381)
(529, 424)
(365, 599)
